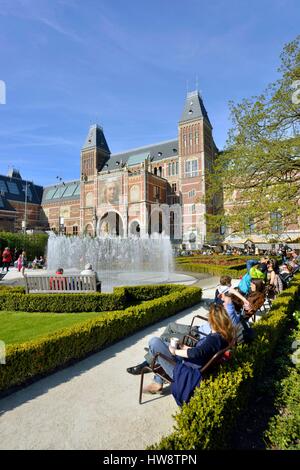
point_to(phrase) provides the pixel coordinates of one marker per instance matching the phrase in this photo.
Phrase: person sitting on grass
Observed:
(222, 334)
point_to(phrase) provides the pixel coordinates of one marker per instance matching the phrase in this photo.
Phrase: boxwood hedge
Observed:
(15, 299)
(235, 271)
(206, 422)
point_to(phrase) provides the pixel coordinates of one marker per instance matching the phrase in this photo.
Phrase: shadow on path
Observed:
(41, 385)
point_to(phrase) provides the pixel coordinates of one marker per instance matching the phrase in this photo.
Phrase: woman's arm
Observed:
(272, 279)
(233, 291)
(179, 352)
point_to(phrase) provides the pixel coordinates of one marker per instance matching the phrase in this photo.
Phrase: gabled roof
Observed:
(194, 108)
(69, 191)
(96, 138)
(14, 189)
(156, 152)
(5, 205)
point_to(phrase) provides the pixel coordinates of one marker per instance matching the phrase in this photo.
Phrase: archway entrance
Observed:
(111, 224)
(89, 230)
(135, 228)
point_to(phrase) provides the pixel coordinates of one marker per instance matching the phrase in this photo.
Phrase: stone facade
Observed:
(156, 188)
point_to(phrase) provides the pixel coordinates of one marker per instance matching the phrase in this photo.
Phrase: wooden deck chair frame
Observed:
(262, 309)
(157, 369)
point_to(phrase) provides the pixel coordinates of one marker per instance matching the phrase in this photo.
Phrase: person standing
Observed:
(19, 263)
(6, 258)
(24, 262)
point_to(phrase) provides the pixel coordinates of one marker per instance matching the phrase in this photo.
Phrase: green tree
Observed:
(259, 169)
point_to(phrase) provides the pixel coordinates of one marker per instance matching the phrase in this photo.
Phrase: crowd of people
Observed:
(228, 323)
(19, 260)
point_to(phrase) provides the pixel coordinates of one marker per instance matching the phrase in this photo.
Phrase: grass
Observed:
(19, 327)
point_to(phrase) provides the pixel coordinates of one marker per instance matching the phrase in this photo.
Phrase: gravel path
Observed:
(94, 403)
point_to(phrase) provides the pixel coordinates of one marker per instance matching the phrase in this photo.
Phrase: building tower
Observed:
(196, 155)
(94, 155)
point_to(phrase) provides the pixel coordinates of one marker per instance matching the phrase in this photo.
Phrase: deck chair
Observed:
(260, 309)
(220, 357)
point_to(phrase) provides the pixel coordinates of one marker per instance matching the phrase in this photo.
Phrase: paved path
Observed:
(15, 278)
(94, 403)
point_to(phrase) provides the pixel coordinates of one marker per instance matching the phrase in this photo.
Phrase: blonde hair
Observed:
(221, 323)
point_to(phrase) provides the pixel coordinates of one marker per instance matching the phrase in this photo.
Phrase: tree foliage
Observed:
(259, 170)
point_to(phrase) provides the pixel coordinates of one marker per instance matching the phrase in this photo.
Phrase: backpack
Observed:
(244, 284)
(256, 273)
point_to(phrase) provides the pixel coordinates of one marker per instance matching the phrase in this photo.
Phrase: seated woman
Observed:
(222, 334)
(256, 297)
(275, 285)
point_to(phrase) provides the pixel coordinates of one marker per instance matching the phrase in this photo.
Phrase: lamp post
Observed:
(60, 219)
(24, 222)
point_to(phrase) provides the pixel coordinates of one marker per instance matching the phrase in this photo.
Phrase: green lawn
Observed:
(18, 327)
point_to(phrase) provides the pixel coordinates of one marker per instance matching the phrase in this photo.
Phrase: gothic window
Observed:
(191, 168)
(276, 222)
(249, 227)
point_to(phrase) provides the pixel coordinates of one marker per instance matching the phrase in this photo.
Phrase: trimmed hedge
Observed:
(235, 272)
(208, 419)
(283, 431)
(44, 355)
(14, 299)
(62, 303)
(12, 290)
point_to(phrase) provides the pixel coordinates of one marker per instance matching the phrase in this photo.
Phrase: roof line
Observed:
(21, 180)
(144, 147)
(61, 184)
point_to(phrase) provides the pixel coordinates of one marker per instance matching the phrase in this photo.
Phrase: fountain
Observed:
(118, 261)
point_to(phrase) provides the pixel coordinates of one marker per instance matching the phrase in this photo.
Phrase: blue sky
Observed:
(125, 65)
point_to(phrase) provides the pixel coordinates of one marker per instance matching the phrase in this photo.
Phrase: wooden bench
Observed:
(65, 284)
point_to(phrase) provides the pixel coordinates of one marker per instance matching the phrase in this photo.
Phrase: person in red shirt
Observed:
(58, 282)
(6, 259)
